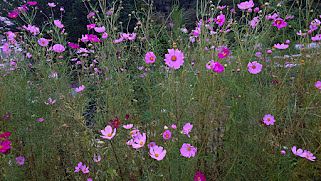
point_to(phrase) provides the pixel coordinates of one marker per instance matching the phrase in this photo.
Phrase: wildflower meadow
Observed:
(233, 93)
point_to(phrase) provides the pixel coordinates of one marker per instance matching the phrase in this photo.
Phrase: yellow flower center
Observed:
(189, 148)
(174, 58)
(253, 67)
(109, 134)
(151, 58)
(156, 155)
(141, 143)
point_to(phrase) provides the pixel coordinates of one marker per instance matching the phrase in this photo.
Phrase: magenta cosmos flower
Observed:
(223, 52)
(318, 85)
(246, 5)
(80, 89)
(188, 151)
(220, 20)
(217, 67)
(58, 48)
(150, 58)
(167, 134)
(199, 176)
(128, 126)
(108, 132)
(174, 59)
(268, 119)
(279, 23)
(187, 128)
(281, 46)
(73, 45)
(43, 42)
(157, 152)
(254, 67)
(5, 146)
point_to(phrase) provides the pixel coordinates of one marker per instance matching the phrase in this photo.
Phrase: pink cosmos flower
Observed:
(188, 151)
(187, 128)
(91, 26)
(283, 152)
(157, 152)
(108, 132)
(220, 20)
(318, 84)
(32, 29)
(196, 32)
(139, 140)
(58, 24)
(167, 134)
(13, 14)
(223, 52)
(101, 29)
(52, 5)
(199, 176)
(32, 3)
(80, 89)
(254, 67)
(104, 35)
(20, 160)
(40, 120)
(268, 119)
(308, 155)
(151, 144)
(297, 152)
(316, 37)
(217, 67)
(6, 48)
(174, 59)
(5, 146)
(11, 36)
(246, 5)
(269, 51)
(58, 48)
(256, 10)
(272, 17)
(150, 58)
(279, 23)
(91, 14)
(73, 45)
(281, 46)
(128, 126)
(221, 7)
(43, 42)
(210, 65)
(173, 126)
(254, 22)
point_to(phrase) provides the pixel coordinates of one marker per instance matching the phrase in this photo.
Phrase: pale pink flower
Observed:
(52, 5)
(43, 42)
(174, 59)
(101, 29)
(108, 132)
(173, 126)
(58, 24)
(308, 155)
(128, 126)
(187, 128)
(58, 48)
(283, 152)
(254, 67)
(150, 58)
(316, 37)
(246, 5)
(268, 119)
(297, 152)
(32, 29)
(318, 84)
(157, 152)
(139, 140)
(97, 158)
(188, 151)
(40, 120)
(281, 46)
(104, 35)
(80, 89)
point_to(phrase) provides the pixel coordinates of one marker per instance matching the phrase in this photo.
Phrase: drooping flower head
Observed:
(188, 151)
(174, 59)
(167, 134)
(157, 152)
(254, 67)
(268, 119)
(108, 132)
(150, 58)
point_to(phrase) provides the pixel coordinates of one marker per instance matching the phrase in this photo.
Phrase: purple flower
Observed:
(167, 134)
(187, 128)
(20, 160)
(188, 151)
(80, 89)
